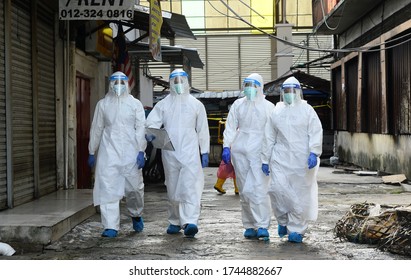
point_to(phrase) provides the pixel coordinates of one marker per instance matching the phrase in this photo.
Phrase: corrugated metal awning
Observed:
(307, 81)
(218, 95)
(170, 54)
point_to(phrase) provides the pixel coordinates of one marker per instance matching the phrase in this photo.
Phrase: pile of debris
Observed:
(389, 227)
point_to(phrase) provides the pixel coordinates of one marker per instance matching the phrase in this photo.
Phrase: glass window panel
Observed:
(195, 22)
(193, 8)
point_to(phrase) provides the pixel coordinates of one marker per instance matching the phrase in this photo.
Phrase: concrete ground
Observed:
(220, 234)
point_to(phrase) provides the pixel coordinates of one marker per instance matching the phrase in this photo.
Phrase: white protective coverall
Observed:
(243, 134)
(117, 133)
(292, 132)
(185, 120)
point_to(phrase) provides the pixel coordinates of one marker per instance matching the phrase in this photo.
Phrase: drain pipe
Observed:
(6, 249)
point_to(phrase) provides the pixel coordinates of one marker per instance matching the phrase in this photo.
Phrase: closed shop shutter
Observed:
(223, 63)
(22, 103)
(46, 101)
(3, 158)
(255, 56)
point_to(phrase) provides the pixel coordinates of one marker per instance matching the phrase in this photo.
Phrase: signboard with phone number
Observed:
(96, 9)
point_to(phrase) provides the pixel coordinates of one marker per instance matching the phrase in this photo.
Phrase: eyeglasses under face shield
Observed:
(291, 90)
(250, 88)
(251, 83)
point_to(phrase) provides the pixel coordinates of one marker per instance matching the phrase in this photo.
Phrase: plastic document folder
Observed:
(162, 140)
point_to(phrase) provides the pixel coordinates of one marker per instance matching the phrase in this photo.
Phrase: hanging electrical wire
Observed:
(346, 50)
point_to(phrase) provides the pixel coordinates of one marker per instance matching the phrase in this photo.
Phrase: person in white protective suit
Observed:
(243, 135)
(291, 148)
(185, 120)
(117, 133)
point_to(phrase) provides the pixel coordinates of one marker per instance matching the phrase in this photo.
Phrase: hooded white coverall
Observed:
(117, 132)
(292, 132)
(185, 120)
(243, 134)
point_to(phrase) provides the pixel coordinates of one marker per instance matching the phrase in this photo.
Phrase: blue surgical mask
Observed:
(119, 89)
(179, 88)
(250, 93)
(289, 97)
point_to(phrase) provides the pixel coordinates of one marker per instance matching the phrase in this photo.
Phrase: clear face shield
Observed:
(290, 94)
(179, 82)
(119, 83)
(250, 88)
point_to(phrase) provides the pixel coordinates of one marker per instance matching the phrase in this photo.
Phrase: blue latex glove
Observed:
(226, 155)
(91, 161)
(265, 169)
(204, 160)
(140, 160)
(150, 137)
(312, 160)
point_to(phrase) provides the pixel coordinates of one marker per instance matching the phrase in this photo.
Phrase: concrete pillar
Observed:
(284, 53)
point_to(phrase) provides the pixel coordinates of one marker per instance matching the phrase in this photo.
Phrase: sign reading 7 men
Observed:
(96, 9)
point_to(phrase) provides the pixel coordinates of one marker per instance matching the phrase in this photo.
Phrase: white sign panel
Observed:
(96, 9)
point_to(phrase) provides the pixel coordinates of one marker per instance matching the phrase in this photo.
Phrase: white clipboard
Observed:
(161, 140)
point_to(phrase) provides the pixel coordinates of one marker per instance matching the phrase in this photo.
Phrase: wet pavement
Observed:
(220, 234)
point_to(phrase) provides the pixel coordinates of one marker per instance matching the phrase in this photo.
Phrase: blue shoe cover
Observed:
(173, 229)
(250, 233)
(190, 230)
(262, 232)
(282, 230)
(138, 224)
(295, 237)
(109, 233)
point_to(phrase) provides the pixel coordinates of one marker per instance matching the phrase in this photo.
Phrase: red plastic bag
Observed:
(225, 170)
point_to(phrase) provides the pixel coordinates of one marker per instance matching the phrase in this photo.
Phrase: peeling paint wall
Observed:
(387, 153)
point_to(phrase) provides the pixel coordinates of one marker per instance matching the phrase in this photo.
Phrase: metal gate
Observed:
(22, 103)
(30, 155)
(46, 101)
(3, 145)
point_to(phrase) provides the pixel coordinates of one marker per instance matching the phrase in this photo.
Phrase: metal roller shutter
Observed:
(223, 63)
(46, 101)
(22, 103)
(255, 56)
(3, 152)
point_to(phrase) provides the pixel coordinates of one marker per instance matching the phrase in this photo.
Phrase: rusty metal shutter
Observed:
(22, 103)
(46, 101)
(399, 86)
(338, 100)
(371, 97)
(351, 86)
(3, 152)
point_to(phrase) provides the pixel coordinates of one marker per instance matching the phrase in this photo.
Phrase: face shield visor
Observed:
(291, 94)
(179, 82)
(119, 83)
(250, 88)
